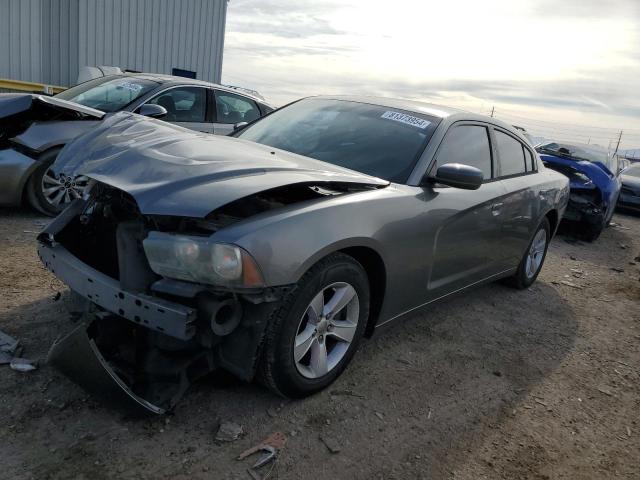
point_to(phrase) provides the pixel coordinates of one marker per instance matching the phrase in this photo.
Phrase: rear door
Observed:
(231, 109)
(186, 106)
(520, 205)
(466, 242)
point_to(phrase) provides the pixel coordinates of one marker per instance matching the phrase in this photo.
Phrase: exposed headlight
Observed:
(197, 259)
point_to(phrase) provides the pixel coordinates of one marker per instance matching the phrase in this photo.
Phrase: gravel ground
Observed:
(495, 383)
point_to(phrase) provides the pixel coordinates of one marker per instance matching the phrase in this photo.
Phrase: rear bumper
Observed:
(15, 169)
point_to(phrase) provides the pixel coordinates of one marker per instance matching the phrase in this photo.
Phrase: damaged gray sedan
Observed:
(270, 255)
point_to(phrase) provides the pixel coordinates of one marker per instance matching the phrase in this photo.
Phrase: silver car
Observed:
(33, 128)
(272, 254)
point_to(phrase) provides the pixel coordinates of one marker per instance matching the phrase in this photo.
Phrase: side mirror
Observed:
(239, 126)
(459, 176)
(152, 110)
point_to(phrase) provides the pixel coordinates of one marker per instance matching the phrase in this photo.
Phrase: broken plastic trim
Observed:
(77, 356)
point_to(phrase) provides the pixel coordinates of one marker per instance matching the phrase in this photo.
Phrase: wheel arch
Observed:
(34, 167)
(554, 220)
(28, 193)
(376, 272)
(369, 254)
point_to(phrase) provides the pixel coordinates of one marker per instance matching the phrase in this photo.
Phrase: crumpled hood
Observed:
(598, 174)
(39, 122)
(14, 103)
(170, 170)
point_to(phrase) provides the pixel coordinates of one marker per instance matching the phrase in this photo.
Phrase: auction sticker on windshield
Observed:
(134, 87)
(408, 119)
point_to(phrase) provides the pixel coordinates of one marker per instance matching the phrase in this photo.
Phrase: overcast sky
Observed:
(539, 62)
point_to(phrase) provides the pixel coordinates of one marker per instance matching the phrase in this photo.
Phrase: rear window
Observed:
(531, 165)
(511, 153)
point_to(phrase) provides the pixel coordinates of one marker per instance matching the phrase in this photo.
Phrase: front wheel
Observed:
(51, 194)
(315, 333)
(533, 258)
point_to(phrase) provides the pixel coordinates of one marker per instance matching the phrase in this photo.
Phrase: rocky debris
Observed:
(8, 344)
(568, 284)
(229, 432)
(606, 391)
(331, 444)
(23, 364)
(10, 351)
(270, 448)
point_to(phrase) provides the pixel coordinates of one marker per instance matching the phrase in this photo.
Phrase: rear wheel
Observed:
(315, 333)
(51, 194)
(533, 258)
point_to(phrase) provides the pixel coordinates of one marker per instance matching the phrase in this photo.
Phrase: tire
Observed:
(592, 232)
(37, 183)
(525, 277)
(329, 279)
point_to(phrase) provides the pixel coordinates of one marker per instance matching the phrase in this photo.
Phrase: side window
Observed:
(183, 104)
(511, 155)
(530, 163)
(233, 108)
(469, 145)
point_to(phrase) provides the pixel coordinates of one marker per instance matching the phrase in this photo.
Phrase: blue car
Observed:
(594, 181)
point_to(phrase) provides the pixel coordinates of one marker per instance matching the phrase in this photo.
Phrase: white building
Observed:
(47, 41)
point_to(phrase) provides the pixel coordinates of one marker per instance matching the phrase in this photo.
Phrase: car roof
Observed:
(439, 111)
(175, 80)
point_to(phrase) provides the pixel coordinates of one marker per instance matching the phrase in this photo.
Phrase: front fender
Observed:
(337, 246)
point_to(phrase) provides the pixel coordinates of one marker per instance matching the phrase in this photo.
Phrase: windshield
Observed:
(108, 94)
(632, 170)
(378, 141)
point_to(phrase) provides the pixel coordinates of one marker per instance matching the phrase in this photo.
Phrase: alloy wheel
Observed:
(536, 253)
(58, 191)
(326, 330)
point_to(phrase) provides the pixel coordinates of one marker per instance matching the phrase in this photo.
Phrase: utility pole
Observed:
(618, 145)
(492, 110)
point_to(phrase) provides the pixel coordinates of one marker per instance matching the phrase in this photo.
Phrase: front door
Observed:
(467, 237)
(186, 106)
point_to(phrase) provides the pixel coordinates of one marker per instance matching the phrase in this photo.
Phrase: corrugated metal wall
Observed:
(60, 50)
(48, 41)
(20, 39)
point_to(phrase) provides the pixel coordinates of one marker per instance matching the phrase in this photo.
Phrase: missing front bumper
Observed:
(104, 356)
(170, 318)
(77, 356)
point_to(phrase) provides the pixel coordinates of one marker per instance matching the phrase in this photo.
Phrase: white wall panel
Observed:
(48, 41)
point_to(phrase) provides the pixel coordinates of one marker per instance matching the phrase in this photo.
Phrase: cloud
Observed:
(284, 19)
(575, 61)
(572, 9)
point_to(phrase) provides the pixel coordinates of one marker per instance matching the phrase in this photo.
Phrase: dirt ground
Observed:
(497, 383)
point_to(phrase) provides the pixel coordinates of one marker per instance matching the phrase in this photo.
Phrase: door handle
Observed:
(496, 208)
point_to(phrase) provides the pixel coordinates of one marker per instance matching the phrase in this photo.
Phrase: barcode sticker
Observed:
(407, 119)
